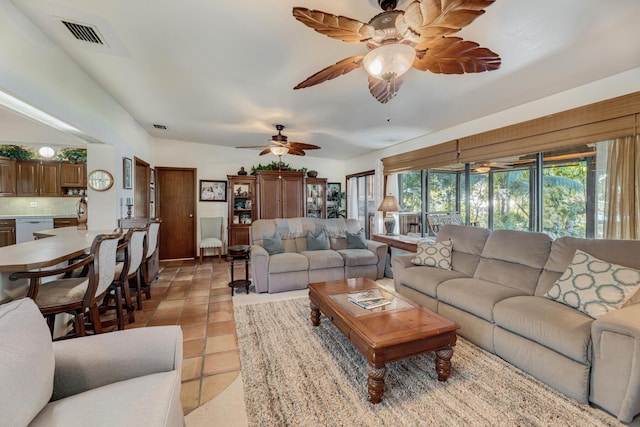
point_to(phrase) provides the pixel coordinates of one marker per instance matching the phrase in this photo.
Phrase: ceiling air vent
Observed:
(157, 126)
(83, 32)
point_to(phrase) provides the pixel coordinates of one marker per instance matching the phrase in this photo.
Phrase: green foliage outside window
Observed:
(564, 197)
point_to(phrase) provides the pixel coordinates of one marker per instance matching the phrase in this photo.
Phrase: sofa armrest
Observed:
(86, 363)
(402, 261)
(381, 250)
(260, 268)
(399, 263)
(616, 362)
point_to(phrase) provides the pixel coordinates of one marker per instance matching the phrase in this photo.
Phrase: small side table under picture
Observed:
(239, 252)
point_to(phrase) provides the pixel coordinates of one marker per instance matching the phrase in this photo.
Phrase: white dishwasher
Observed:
(25, 227)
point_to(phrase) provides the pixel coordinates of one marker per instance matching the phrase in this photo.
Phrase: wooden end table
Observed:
(399, 330)
(239, 252)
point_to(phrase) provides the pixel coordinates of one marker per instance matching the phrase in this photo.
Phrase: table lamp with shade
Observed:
(389, 204)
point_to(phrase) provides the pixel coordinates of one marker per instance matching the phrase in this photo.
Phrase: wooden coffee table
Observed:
(396, 331)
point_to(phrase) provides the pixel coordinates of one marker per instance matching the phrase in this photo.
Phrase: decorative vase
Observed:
(312, 174)
(242, 171)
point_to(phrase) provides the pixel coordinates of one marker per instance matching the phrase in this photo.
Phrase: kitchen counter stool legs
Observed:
(239, 252)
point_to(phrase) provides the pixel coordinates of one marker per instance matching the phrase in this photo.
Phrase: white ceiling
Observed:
(222, 72)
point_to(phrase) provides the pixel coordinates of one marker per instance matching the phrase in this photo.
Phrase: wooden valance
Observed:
(613, 118)
(423, 158)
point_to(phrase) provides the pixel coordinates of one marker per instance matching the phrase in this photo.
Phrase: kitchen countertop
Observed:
(36, 216)
(64, 243)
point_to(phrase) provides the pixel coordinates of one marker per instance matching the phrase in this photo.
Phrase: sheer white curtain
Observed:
(622, 198)
(352, 202)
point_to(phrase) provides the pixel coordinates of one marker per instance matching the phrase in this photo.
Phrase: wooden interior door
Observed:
(176, 196)
(141, 192)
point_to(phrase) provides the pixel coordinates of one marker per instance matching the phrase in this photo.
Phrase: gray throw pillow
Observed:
(356, 240)
(273, 244)
(317, 242)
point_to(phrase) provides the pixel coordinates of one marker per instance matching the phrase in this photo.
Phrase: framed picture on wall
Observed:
(127, 173)
(333, 190)
(213, 191)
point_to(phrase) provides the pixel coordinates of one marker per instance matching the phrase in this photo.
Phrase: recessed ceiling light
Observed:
(46, 152)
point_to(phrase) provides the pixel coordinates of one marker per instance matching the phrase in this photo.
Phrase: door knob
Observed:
(190, 215)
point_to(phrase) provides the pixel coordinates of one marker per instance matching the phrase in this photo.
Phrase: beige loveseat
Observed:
(124, 378)
(495, 291)
(297, 266)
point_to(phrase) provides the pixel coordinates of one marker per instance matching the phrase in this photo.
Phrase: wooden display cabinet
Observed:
(242, 208)
(316, 197)
(280, 194)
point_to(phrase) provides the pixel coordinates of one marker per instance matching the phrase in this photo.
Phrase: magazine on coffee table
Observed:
(367, 295)
(372, 303)
(370, 298)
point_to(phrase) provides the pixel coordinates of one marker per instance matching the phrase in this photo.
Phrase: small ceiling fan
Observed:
(398, 40)
(279, 145)
(486, 167)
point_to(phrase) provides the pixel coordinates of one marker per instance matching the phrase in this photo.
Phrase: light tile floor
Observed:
(198, 298)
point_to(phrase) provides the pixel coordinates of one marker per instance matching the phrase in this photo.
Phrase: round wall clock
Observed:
(100, 180)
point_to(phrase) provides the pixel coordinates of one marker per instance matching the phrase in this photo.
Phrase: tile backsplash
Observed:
(38, 205)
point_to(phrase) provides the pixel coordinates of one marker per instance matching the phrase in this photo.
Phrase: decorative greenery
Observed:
(74, 155)
(16, 152)
(274, 166)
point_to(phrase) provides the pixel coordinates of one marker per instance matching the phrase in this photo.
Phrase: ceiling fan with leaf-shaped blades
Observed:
(279, 145)
(397, 40)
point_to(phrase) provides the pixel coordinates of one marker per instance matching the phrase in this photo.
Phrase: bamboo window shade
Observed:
(423, 158)
(613, 118)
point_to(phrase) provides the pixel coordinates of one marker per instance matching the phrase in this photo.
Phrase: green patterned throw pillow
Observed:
(317, 242)
(593, 286)
(434, 254)
(273, 244)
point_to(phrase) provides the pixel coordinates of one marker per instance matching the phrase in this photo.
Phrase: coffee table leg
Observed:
(315, 314)
(375, 381)
(443, 363)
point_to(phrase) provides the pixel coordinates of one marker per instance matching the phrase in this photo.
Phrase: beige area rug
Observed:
(295, 374)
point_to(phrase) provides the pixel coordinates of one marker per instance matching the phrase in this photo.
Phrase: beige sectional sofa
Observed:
(496, 292)
(123, 378)
(297, 266)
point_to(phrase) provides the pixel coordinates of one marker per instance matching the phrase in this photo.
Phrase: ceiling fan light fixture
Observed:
(482, 169)
(279, 150)
(389, 60)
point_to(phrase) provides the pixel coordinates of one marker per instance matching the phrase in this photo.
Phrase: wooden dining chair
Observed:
(148, 272)
(135, 251)
(75, 295)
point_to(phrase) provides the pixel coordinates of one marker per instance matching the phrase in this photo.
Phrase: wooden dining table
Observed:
(52, 247)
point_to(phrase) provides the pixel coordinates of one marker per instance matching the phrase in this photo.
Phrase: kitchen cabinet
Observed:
(73, 175)
(7, 232)
(242, 208)
(280, 194)
(7, 177)
(316, 197)
(65, 222)
(35, 178)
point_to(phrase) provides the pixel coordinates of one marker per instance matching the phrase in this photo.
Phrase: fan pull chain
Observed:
(391, 90)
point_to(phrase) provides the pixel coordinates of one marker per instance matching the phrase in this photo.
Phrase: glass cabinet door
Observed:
(316, 197)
